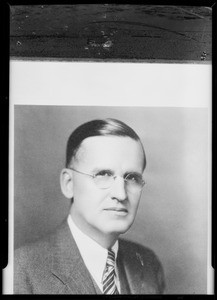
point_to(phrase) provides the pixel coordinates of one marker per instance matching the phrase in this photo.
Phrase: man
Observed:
(105, 160)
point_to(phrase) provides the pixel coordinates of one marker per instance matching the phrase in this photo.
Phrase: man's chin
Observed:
(119, 228)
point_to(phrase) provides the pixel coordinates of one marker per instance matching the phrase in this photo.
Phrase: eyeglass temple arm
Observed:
(81, 172)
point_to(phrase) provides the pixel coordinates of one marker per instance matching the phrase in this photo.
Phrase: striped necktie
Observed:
(108, 280)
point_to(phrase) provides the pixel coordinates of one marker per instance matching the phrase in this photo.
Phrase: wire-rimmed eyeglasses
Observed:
(105, 178)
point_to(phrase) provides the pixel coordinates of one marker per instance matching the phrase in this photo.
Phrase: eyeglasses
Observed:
(104, 179)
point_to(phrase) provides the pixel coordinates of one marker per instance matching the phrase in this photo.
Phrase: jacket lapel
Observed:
(130, 270)
(137, 269)
(68, 266)
(124, 285)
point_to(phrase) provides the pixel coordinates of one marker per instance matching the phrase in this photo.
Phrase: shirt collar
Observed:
(94, 255)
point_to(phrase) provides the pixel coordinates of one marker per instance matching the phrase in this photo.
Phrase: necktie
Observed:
(108, 280)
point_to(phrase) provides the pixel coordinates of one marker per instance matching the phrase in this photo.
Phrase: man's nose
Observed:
(118, 190)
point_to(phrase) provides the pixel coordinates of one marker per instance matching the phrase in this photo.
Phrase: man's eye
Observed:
(133, 177)
(104, 173)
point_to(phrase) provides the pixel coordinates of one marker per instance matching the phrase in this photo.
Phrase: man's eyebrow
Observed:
(97, 170)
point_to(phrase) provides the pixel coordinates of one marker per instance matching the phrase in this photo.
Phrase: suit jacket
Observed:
(54, 266)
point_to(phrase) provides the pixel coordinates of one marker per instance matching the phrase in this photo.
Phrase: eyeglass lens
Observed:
(132, 181)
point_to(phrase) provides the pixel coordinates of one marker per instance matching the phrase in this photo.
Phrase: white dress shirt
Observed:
(93, 254)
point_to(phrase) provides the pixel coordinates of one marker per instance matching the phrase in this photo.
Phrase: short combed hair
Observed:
(99, 127)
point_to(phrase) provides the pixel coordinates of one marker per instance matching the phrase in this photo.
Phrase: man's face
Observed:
(99, 212)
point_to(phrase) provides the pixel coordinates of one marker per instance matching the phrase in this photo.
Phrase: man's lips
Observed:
(118, 209)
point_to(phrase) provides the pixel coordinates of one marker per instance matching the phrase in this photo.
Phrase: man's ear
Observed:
(66, 183)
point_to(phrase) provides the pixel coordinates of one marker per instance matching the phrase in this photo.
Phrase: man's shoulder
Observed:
(132, 246)
(133, 250)
(29, 248)
(33, 252)
(40, 248)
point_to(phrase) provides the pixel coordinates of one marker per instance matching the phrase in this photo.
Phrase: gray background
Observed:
(172, 217)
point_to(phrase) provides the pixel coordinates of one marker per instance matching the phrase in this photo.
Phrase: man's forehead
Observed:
(104, 145)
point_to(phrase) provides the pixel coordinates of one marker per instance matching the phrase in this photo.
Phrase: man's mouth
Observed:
(117, 209)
